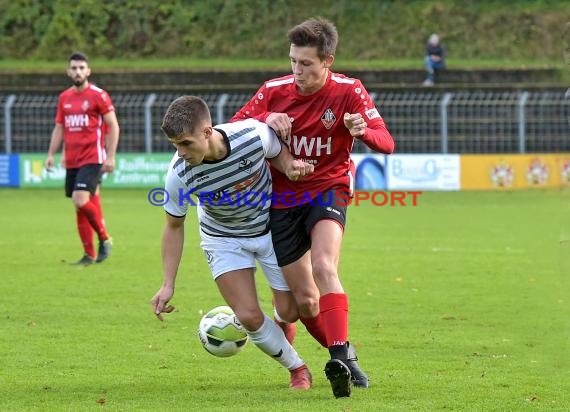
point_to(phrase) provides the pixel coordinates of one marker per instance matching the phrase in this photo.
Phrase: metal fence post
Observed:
(443, 119)
(148, 122)
(8, 121)
(220, 104)
(522, 121)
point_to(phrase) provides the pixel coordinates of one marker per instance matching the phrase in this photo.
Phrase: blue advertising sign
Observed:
(9, 173)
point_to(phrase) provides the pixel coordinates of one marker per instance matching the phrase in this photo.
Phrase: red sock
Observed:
(96, 200)
(316, 328)
(85, 233)
(91, 212)
(334, 312)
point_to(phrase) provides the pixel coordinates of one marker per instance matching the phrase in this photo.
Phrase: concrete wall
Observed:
(203, 81)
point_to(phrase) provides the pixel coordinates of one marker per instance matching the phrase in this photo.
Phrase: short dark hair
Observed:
(78, 56)
(183, 116)
(315, 32)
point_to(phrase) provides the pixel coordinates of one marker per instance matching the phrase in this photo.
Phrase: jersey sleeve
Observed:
(377, 136)
(175, 204)
(269, 140)
(256, 108)
(59, 112)
(105, 103)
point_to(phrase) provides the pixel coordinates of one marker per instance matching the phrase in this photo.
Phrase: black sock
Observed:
(339, 352)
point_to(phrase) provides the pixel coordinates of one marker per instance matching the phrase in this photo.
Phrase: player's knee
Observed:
(323, 270)
(288, 312)
(250, 318)
(79, 200)
(308, 305)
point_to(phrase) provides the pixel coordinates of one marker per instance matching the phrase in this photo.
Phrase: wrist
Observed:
(363, 135)
(168, 282)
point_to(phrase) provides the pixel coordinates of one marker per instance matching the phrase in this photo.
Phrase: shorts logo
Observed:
(209, 257)
(328, 118)
(330, 209)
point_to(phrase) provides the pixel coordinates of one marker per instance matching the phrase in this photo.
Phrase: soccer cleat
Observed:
(359, 378)
(104, 250)
(338, 374)
(289, 329)
(301, 378)
(86, 260)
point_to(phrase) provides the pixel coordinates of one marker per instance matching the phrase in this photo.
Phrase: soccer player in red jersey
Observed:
(87, 125)
(318, 114)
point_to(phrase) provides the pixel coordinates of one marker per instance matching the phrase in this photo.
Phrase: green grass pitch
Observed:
(461, 303)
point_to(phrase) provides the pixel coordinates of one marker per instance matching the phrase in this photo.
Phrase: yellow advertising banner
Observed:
(515, 171)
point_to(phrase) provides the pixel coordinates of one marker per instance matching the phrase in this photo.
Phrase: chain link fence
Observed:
(421, 122)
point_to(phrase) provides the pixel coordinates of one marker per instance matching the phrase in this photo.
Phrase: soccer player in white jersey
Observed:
(318, 114)
(225, 170)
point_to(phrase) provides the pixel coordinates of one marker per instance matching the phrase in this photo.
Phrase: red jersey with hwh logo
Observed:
(81, 114)
(319, 135)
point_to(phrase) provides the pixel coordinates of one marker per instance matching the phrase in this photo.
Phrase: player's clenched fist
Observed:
(355, 124)
(298, 169)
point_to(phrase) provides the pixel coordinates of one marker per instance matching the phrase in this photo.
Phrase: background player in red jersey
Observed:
(318, 114)
(87, 125)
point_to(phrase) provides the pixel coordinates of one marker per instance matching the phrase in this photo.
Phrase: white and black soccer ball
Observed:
(221, 333)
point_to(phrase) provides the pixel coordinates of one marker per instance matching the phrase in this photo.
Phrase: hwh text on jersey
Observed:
(76, 121)
(304, 146)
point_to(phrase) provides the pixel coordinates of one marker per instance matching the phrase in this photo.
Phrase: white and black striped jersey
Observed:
(233, 195)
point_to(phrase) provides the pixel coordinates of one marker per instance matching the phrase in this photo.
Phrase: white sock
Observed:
(271, 340)
(277, 317)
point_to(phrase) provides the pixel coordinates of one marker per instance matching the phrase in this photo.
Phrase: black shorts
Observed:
(86, 178)
(291, 227)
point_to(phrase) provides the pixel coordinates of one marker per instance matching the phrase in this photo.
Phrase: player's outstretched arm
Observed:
(172, 245)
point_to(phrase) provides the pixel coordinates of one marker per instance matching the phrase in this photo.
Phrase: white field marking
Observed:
(437, 249)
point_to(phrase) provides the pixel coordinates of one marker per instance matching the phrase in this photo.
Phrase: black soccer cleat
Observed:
(359, 378)
(338, 374)
(86, 260)
(104, 250)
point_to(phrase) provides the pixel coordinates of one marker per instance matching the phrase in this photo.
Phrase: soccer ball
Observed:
(221, 333)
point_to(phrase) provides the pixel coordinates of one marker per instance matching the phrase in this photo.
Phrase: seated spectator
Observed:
(434, 59)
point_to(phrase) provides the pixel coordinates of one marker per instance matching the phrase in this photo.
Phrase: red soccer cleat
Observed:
(301, 378)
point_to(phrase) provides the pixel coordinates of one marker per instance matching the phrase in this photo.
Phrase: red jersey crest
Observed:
(328, 118)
